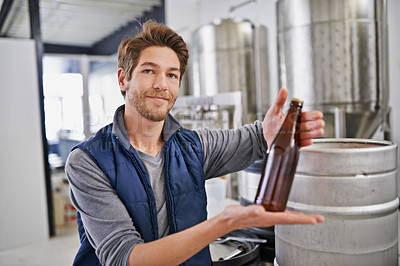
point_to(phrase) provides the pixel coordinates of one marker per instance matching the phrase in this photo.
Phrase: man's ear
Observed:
(121, 79)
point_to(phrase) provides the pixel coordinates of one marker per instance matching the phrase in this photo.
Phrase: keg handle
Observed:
(221, 240)
(240, 249)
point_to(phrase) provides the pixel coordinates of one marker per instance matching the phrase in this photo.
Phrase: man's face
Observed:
(154, 85)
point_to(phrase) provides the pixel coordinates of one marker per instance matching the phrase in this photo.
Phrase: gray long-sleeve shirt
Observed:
(108, 226)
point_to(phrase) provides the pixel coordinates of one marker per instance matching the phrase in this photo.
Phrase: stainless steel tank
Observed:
(229, 55)
(353, 183)
(333, 55)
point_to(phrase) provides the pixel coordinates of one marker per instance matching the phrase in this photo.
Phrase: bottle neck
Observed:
(293, 115)
(296, 104)
(292, 122)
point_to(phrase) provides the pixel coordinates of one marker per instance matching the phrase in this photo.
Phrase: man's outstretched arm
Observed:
(177, 248)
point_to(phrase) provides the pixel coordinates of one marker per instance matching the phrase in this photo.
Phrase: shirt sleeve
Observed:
(109, 228)
(231, 150)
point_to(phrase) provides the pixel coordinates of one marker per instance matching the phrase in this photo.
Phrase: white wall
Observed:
(22, 180)
(185, 16)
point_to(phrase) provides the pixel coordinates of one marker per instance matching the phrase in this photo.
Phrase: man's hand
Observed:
(256, 216)
(312, 125)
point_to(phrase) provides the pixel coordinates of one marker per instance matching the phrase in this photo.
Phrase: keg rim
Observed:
(380, 145)
(368, 210)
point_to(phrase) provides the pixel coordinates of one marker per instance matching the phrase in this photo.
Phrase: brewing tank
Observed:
(230, 55)
(333, 55)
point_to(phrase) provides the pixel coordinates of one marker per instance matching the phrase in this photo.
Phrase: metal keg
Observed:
(353, 183)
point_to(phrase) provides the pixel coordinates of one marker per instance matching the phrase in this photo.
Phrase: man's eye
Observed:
(171, 75)
(147, 71)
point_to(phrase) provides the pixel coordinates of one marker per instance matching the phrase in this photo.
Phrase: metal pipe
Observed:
(16, 12)
(383, 53)
(84, 65)
(5, 10)
(340, 121)
(234, 7)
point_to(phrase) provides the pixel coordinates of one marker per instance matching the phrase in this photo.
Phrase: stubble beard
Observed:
(137, 100)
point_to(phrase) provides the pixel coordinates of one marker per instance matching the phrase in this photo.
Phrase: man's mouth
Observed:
(158, 97)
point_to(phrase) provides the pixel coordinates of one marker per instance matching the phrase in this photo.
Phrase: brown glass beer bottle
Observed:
(281, 162)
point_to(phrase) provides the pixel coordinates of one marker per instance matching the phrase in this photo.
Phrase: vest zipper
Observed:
(145, 180)
(168, 194)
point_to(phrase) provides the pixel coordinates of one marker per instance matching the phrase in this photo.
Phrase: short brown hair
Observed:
(152, 34)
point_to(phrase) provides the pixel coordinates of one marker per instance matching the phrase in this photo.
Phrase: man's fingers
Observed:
(311, 125)
(311, 116)
(312, 134)
(301, 218)
(320, 218)
(306, 142)
(279, 101)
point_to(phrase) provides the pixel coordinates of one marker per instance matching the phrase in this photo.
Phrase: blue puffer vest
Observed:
(184, 187)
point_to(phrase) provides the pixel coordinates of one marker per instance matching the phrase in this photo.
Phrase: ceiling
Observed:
(78, 23)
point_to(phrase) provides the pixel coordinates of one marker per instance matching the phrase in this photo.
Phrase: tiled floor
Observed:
(56, 251)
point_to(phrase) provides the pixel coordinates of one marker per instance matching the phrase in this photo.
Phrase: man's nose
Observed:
(161, 82)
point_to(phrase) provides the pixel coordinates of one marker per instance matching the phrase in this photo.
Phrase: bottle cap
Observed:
(297, 100)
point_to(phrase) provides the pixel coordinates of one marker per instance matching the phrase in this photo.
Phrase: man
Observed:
(138, 184)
